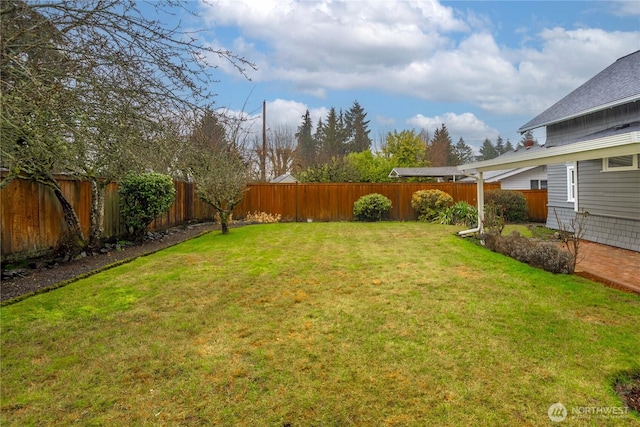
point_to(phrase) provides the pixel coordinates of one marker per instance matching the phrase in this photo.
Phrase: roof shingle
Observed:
(617, 84)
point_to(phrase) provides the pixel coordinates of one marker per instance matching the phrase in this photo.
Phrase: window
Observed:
(571, 183)
(620, 163)
(538, 184)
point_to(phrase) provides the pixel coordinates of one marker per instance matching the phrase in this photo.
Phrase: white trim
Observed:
(571, 183)
(576, 189)
(609, 146)
(608, 168)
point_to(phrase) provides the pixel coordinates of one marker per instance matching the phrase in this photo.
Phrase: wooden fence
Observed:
(32, 221)
(536, 204)
(334, 201)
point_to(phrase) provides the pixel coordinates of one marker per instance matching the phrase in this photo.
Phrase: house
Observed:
(441, 174)
(524, 178)
(529, 178)
(592, 153)
(286, 178)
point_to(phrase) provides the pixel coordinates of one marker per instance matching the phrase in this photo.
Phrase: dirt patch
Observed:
(47, 273)
(628, 388)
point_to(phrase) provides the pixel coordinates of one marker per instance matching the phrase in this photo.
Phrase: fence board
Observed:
(536, 204)
(32, 220)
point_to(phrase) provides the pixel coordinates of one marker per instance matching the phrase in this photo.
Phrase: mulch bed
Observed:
(45, 274)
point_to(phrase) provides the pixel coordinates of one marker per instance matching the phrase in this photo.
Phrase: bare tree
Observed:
(571, 234)
(86, 86)
(217, 167)
(281, 150)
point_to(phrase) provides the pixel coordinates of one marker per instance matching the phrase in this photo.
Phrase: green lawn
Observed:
(323, 324)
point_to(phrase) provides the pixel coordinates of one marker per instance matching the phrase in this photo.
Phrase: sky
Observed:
(483, 68)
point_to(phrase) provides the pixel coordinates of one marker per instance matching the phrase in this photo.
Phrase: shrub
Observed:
(461, 213)
(142, 198)
(429, 203)
(493, 219)
(538, 254)
(511, 205)
(372, 207)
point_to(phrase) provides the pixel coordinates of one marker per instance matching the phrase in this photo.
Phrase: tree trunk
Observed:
(98, 190)
(224, 222)
(76, 240)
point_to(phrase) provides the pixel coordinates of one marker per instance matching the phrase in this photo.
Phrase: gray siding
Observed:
(557, 190)
(615, 194)
(567, 132)
(621, 233)
(611, 198)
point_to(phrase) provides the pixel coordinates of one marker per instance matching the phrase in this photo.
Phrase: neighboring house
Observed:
(441, 174)
(592, 151)
(529, 178)
(286, 178)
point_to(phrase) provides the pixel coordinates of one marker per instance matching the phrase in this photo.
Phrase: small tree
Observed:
(372, 207)
(143, 198)
(221, 180)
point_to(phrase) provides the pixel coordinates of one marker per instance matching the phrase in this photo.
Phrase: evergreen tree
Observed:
(500, 148)
(318, 136)
(332, 138)
(307, 150)
(357, 129)
(441, 148)
(508, 146)
(424, 137)
(463, 152)
(487, 151)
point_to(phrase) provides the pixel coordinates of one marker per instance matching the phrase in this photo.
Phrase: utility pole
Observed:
(263, 156)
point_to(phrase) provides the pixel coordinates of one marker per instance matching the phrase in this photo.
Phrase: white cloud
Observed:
(282, 113)
(465, 125)
(626, 8)
(420, 49)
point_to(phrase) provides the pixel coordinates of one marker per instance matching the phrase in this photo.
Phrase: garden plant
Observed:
(372, 207)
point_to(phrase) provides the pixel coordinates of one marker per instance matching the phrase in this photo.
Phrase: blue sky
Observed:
(482, 68)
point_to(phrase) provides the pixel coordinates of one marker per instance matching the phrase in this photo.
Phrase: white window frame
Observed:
(571, 183)
(607, 168)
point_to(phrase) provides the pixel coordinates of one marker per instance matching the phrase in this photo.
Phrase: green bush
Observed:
(430, 203)
(142, 198)
(509, 204)
(461, 213)
(372, 207)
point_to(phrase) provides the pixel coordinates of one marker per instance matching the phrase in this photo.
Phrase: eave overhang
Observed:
(623, 144)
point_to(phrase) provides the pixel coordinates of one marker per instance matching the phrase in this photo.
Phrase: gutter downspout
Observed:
(480, 186)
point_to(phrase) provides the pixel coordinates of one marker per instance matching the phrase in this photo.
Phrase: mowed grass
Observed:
(324, 324)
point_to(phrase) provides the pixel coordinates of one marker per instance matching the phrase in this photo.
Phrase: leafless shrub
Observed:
(538, 254)
(571, 234)
(262, 217)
